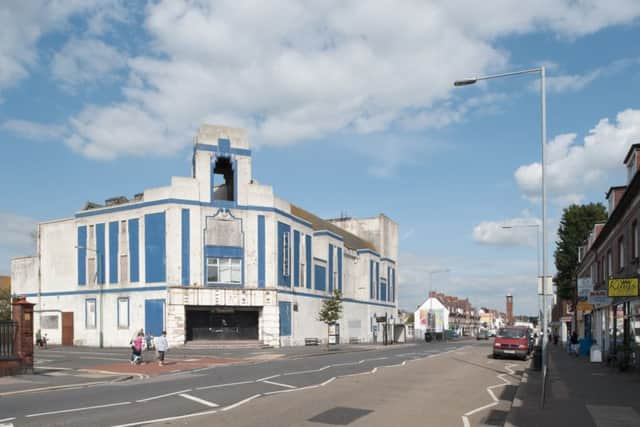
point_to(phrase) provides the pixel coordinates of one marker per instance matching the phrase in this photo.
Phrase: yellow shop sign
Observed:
(623, 287)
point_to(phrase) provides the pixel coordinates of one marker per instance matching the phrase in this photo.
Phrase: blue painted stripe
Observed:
(113, 252)
(284, 277)
(131, 206)
(285, 318)
(100, 253)
(371, 290)
(355, 301)
(308, 246)
(389, 283)
(296, 258)
(186, 247)
(216, 149)
(96, 291)
(330, 268)
(82, 255)
(320, 279)
(340, 269)
(321, 233)
(134, 251)
(155, 247)
(377, 280)
(393, 294)
(223, 251)
(368, 251)
(261, 252)
(387, 260)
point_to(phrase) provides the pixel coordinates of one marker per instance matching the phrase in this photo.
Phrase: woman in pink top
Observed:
(136, 349)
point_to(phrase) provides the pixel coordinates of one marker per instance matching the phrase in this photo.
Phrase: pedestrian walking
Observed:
(136, 348)
(573, 347)
(161, 347)
(38, 338)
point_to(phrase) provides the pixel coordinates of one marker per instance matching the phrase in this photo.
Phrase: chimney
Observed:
(509, 309)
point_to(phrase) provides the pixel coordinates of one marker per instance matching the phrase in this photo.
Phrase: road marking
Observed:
(163, 395)
(5, 420)
(63, 411)
(268, 378)
(224, 385)
(55, 387)
(279, 384)
(327, 381)
(160, 420)
(197, 399)
(242, 402)
(505, 382)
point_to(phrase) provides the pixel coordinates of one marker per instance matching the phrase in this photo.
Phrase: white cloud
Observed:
(520, 232)
(16, 238)
(86, 61)
(573, 169)
(33, 130)
(569, 82)
(324, 67)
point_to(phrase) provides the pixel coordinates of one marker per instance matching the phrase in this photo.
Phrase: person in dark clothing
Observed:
(574, 344)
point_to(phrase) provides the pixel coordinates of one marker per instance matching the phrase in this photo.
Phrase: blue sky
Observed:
(350, 107)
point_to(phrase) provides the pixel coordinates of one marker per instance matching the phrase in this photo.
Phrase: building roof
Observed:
(350, 240)
(631, 150)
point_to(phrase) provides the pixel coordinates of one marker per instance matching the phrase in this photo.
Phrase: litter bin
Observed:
(537, 358)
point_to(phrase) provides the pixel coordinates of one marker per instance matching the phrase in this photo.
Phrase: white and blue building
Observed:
(212, 256)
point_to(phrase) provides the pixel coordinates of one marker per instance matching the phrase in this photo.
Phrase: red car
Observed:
(511, 342)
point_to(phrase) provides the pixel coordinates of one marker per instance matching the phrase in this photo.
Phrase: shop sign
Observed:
(599, 298)
(584, 287)
(584, 307)
(623, 287)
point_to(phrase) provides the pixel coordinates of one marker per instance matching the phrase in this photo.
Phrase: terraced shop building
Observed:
(214, 256)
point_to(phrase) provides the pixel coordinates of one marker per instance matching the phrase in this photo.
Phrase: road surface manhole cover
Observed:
(340, 416)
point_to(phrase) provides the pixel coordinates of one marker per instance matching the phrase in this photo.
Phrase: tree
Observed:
(5, 304)
(331, 311)
(576, 224)
(410, 318)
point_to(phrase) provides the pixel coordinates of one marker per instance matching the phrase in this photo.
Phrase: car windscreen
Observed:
(511, 333)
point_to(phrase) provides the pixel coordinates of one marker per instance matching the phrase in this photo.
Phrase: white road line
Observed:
(224, 385)
(160, 420)
(63, 411)
(482, 408)
(327, 381)
(163, 395)
(5, 420)
(373, 371)
(279, 384)
(242, 402)
(197, 399)
(268, 378)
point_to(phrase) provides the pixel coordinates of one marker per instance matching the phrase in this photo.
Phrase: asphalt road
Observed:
(227, 389)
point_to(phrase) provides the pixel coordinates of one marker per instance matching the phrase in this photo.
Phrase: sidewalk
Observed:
(578, 393)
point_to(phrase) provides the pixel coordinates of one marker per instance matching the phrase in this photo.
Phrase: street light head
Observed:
(464, 82)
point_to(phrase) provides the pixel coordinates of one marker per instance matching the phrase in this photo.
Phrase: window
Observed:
(609, 264)
(634, 240)
(90, 313)
(93, 278)
(223, 180)
(123, 313)
(620, 253)
(224, 270)
(286, 254)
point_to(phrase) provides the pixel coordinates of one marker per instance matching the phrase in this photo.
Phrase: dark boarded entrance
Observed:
(221, 323)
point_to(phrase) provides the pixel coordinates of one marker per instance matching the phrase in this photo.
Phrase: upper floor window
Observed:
(223, 180)
(634, 240)
(609, 264)
(621, 253)
(224, 270)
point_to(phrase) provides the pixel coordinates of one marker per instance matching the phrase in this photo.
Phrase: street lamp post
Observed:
(543, 110)
(98, 270)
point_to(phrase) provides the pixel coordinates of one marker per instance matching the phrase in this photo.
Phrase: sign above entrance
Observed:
(584, 307)
(623, 287)
(599, 297)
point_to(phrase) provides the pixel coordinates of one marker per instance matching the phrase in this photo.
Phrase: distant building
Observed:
(5, 283)
(212, 256)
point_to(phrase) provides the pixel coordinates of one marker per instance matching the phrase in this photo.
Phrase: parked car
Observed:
(511, 342)
(483, 334)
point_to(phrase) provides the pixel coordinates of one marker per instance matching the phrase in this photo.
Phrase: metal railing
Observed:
(8, 331)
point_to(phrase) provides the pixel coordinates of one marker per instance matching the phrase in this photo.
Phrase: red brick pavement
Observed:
(152, 369)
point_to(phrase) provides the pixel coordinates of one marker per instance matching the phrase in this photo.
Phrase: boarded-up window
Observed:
(124, 269)
(123, 313)
(91, 268)
(90, 313)
(49, 322)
